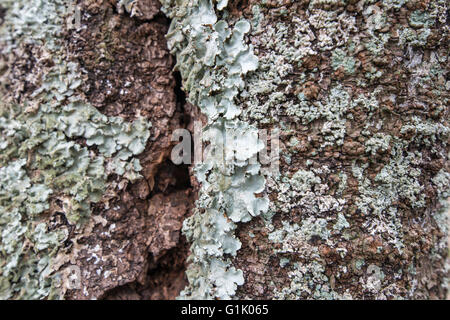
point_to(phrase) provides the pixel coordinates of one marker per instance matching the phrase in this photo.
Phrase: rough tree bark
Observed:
(92, 207)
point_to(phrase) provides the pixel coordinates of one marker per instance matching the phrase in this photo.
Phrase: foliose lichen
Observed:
(213, 57)
(55, 148)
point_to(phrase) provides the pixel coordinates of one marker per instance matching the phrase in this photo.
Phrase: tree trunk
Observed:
(323, 169)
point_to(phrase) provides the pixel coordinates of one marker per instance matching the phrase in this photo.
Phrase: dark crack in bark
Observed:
(134, 249)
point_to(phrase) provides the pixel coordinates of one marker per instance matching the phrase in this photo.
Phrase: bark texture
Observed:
(128, 239)
(360, 90)
(357, 90)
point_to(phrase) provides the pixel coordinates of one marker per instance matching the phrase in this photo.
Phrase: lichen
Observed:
(305, 189)
(307, 278)
(213, 57)
(358, 89)
(340, 59)
(48, 153)
(378, 141)
(25, 271)
(398, 180)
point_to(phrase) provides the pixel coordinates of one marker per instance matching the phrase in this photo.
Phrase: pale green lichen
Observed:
(213, 58)
(342, 183)
(199, 47)
(426, 132)
(341, 223)
(286, 45)
(378, 141)
(374, 281)
(25, 272)
(398, 179)
(41, 159)
(442, 181)
(420, 19)
(306, 190)
(289, 234)
(397, 4)
(420, 23)
(414, 37)
(306, 101)
(332, 112)
(340, 59)
(284, 262)
(307, 278)
(127, 4)
(377, 25)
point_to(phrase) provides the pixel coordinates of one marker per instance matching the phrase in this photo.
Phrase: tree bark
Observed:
(346, 198)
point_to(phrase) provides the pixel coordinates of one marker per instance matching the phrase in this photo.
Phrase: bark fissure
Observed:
(129, 73)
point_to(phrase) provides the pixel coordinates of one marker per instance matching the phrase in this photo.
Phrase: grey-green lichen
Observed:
(419, 26)
(305, 189)
(340, 59)
(24, 272)
(358, 87)
(307, 277)
(398, 180)
(286, 47)
(378, 141)
(42, 157)
(127, 4)
(309, 280)
(213, 57)
(288, 44)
